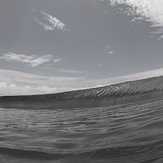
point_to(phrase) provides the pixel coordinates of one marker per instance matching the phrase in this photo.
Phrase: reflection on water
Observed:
(119, 134)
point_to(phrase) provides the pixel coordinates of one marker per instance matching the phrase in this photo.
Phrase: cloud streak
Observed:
(50, 23)
(19, 83)
(70, 71)
(57, 60)
(108, 50)
(151, 10)
(33, 60)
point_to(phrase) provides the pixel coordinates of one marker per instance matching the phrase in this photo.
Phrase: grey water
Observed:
(111, 134)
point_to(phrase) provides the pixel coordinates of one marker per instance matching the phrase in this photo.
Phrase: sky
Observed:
(60, 45)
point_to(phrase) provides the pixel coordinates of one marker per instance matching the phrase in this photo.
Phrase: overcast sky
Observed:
(49, 46)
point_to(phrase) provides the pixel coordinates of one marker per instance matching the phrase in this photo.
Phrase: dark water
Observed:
(115, 134)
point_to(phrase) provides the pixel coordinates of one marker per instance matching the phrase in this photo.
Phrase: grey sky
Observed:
(82, 39)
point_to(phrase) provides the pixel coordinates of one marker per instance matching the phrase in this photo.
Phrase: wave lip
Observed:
(127, 92)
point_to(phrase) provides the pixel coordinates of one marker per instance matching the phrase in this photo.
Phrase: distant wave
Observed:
(126, 92)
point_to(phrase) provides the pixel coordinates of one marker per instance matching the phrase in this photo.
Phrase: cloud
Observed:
(137, 19)
(33, 60)
(130, 77)
(13, 89)
(70, 71)
(50, 23)
(111, 52)
(19, 83)
(107, 49)
(151, 10)
(57, 60)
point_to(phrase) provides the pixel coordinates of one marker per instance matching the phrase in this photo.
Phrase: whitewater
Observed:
(120, 123)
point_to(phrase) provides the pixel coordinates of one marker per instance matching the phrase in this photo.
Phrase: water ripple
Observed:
(114, 134)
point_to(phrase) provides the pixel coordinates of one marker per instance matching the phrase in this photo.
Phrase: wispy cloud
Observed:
(70, 71)
(108, 50)
(57, 60)
(137, 19)
(49, 22)
(33, 60)
(19, 83)
(150, 10)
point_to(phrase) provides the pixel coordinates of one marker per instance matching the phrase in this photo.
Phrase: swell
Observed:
(127, 92)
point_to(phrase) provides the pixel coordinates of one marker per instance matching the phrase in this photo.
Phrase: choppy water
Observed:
(115, 134)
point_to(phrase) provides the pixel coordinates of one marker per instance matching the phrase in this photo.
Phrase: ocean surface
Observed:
(126, 133)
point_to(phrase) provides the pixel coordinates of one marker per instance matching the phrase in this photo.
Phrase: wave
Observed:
(122, 93)
(31, 154)
(142, 153)
(123, 133)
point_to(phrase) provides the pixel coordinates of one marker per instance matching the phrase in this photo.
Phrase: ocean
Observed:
(126, 133)
(121, 123)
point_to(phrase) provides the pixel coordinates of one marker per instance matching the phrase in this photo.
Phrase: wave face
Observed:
(130, 133)
(127, 92)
